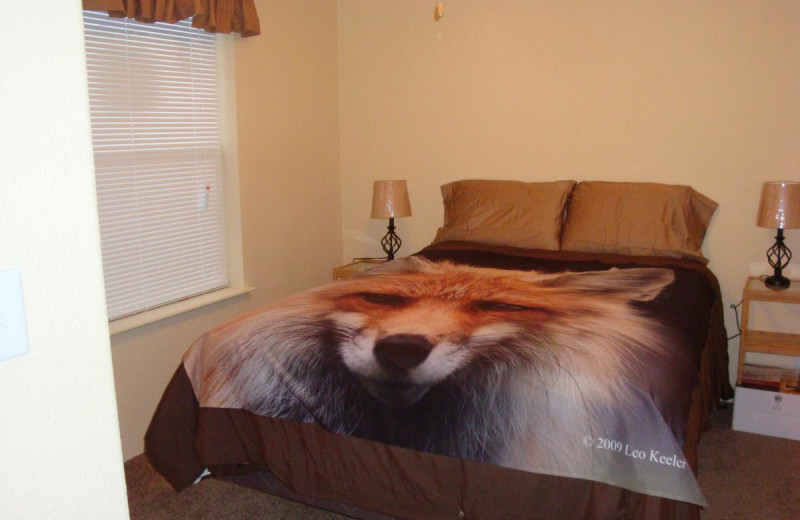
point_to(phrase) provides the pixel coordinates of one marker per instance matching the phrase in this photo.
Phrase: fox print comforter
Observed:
(577, 369)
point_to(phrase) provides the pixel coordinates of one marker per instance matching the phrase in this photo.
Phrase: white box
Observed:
(767, 413)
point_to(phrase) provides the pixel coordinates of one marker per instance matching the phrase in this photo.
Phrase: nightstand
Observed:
(343, 272)
(767, 412)
(763, 341)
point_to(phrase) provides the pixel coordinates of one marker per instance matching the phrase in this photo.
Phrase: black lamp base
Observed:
(778, 257)
(391, 242)
(777, 283)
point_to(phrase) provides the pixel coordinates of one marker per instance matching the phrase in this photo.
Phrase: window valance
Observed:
(218, 16)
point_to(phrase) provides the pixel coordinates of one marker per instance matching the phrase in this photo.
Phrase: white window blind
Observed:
(156, 135)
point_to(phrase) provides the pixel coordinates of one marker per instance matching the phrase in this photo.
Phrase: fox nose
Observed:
(400, 353)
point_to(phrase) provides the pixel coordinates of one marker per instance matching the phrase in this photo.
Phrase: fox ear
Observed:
(637, 284)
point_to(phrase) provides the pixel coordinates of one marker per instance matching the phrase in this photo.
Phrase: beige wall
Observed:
(59, 443)
(683, 92)
(679, 92)
(287, 98)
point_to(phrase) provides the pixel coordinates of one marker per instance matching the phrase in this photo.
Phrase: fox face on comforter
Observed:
(549, 372)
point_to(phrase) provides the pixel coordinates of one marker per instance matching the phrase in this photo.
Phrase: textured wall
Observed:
(682, 92)
(59, 443)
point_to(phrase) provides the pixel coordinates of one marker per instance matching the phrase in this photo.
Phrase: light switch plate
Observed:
(13, 330)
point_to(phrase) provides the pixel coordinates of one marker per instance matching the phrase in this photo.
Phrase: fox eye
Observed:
(383, 299)
(494, 306)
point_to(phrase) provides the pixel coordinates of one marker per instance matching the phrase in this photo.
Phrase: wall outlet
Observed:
(13, 330)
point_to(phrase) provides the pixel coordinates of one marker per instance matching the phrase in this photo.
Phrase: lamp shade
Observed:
(780, 205)
(390, 200)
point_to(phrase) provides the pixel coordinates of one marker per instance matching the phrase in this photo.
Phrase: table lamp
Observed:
(390, 200)
(779, 209)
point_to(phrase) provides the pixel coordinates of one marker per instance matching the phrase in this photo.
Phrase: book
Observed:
(790, 381)
(761, 377)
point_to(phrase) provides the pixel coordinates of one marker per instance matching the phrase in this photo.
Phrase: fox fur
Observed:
(493, 365)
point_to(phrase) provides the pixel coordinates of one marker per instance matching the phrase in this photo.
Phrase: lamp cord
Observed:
(735, 307)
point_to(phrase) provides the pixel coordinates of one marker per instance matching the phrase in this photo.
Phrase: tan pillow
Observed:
(644, 219)
(507, 213)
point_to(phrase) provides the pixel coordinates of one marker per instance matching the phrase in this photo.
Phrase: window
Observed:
(155, 114)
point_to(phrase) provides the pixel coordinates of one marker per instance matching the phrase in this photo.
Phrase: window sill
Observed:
(173, 309)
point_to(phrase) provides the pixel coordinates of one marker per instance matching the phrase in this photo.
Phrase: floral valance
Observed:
(219, 16)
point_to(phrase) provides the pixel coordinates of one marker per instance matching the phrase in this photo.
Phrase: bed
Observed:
(554, 353)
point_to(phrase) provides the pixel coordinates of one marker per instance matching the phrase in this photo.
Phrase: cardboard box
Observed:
(767, 413)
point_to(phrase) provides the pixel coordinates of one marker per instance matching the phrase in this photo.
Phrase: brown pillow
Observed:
(645, 219)
(507, 213)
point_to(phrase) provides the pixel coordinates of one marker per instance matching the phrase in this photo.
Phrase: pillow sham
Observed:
(506, 213)
(637, 218)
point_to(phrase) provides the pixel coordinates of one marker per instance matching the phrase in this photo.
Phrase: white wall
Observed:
(681, 92)
(59, 441)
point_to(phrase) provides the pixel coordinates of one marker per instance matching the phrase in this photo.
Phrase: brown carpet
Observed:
(743, 476)
(746, 476)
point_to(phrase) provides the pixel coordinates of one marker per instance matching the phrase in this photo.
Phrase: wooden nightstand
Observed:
(343, 272)
(763, 341)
